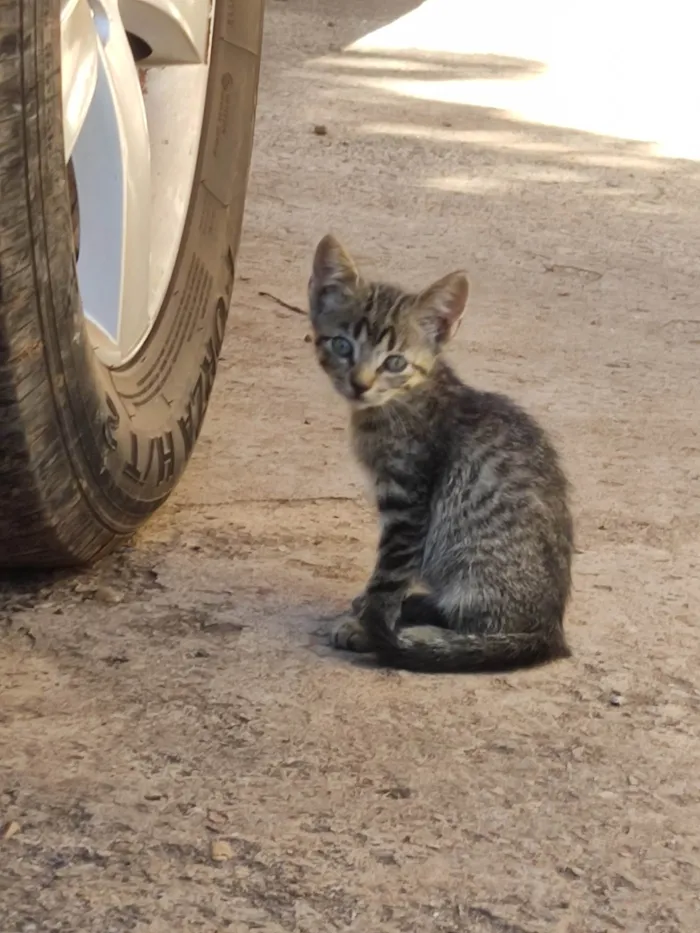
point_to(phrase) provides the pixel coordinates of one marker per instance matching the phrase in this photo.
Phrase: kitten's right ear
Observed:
(333, 276)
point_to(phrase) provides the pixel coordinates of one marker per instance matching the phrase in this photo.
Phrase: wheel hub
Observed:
(131, 155)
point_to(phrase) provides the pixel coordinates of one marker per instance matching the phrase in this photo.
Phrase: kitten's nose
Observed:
(358, 386)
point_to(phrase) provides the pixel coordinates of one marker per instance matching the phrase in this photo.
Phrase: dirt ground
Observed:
(182, 692)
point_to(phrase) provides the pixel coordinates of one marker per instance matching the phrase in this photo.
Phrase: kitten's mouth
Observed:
(363, 404)
(365, 400)
(357, 398)
(359, 402)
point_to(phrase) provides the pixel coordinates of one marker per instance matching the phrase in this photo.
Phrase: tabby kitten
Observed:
(474, 562)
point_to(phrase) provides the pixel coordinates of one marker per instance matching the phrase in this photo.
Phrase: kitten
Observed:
(474, 562)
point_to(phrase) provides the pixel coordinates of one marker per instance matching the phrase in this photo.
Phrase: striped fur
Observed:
(473, 570)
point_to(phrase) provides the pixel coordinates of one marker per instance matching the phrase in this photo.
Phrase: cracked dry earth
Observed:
(181, 694)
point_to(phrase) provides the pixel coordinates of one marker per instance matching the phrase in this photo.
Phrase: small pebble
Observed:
(216, 816)
(615, 699)
(107, 594)
(320, 130)
(10, 829)
(221, 851)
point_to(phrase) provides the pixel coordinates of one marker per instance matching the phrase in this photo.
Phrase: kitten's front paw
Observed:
(358, 604)
(350, 635)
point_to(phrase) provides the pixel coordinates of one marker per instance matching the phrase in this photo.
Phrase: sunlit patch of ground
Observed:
(618, 69)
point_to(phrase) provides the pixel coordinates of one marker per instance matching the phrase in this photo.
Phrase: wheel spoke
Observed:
(79, 67)
(111, 157)
(177, 31)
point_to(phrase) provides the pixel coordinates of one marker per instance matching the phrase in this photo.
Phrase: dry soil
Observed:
(182, 694)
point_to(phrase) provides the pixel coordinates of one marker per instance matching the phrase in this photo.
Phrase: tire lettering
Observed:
(230, 268)
(132, 467)
(187, 429)
(191, 424)
(159, 450)
(157, 455)
(111, 424)
(165, 446)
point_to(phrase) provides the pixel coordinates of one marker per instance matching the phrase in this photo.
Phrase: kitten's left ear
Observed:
(441, 306)
(333, 276)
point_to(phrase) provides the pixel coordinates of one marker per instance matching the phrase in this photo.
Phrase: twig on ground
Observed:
(564, 267)
(284, 304)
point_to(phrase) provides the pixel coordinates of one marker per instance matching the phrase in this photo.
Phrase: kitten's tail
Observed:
(433, 649)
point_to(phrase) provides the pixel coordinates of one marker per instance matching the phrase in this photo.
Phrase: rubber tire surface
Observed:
(88, 453)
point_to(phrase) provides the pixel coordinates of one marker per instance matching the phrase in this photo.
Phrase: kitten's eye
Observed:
(342, 347)
(395, 363)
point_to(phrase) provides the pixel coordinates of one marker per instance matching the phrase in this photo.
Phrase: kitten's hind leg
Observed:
(421, 609)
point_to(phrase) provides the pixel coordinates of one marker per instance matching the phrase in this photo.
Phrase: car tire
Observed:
(87, 453)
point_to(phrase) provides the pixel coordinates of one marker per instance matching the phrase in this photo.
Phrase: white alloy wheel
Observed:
(133, 140)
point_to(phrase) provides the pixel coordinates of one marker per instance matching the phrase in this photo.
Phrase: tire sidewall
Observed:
(129, 432)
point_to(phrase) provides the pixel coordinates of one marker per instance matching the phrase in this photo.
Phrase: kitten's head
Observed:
(376, 341)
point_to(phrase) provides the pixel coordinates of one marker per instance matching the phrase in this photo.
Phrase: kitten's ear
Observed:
(440, 307)
(333, 275)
